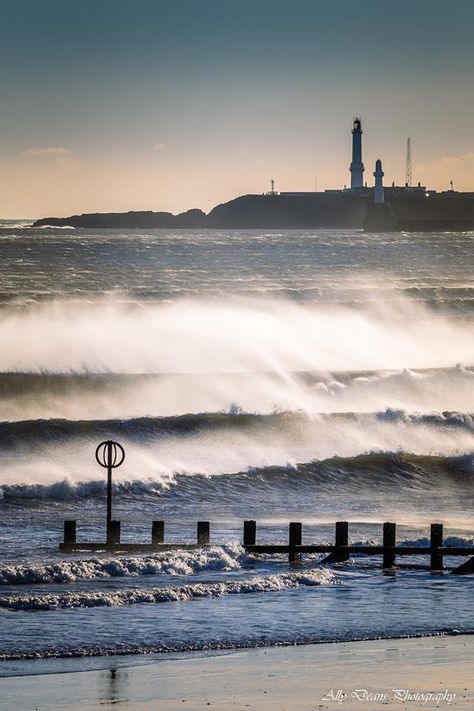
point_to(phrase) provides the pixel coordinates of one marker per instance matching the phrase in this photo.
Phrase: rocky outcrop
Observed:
(128, 220)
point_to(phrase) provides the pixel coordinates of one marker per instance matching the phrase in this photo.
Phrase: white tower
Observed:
(378, 175)
(357, 167)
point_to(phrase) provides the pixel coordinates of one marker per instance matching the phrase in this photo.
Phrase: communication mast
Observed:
(272, 190)
(408, 165)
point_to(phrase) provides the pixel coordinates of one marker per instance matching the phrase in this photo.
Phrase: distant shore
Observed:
(424, 673)
(436, 212)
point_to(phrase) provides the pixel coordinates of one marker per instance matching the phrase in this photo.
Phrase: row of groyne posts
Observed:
(111, 455)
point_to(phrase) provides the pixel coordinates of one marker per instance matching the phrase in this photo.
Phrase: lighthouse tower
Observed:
(357, 167)
(378, 175)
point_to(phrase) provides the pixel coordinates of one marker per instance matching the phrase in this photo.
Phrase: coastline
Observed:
(428, 672)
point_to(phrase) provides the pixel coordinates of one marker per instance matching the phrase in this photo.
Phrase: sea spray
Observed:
(232, 335)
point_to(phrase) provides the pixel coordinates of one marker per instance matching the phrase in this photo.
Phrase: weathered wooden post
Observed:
(109, 455)
(436, 541)
(295, 536)
(157, 532)
(389, 543)
(342, 541)
(339, 553)
(113, 533)
(69, 532)
(250, 533)
(203, 533)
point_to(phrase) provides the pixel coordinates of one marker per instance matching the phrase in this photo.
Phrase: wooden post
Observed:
(157, 532)
(250, 533)
(389, 542)
(436, 540)
(342, 541)
(203, 533)
(69, 532)
(295, 534)
(113, 533)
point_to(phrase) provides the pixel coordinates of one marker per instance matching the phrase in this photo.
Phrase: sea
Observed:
(297, 375)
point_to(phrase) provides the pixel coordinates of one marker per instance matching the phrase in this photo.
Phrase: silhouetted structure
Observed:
(357, 167)
(110, 455)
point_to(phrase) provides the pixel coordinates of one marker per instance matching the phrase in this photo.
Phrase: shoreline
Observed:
(156, 653)
(438, 669)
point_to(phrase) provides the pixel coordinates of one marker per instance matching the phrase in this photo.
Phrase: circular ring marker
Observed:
(110, 454)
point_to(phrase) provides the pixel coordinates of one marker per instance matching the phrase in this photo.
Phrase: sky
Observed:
(116, 105)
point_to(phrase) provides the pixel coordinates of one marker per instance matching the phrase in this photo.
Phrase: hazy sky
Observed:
(169, 104)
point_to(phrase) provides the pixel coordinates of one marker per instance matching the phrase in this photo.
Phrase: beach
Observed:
(424, 673)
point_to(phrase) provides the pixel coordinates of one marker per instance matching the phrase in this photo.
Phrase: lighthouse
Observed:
(357, 167)
(378, 175)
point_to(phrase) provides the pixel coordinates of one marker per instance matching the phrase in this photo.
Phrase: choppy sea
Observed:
(294, 375)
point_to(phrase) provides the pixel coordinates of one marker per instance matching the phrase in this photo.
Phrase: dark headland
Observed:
(402, 210)
(377, 208)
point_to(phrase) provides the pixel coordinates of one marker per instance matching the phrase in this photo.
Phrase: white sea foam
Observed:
(132, 596)
(54, 227)
(225, 558)
(222, 558)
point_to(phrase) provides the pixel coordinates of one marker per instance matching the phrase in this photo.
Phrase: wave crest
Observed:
(222, 558)
(154, 595)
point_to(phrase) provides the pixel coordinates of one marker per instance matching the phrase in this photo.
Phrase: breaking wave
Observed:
(13, 434)
(222, 558)
(229, 557)
(392, 470)
(133, 596)
(91, 396)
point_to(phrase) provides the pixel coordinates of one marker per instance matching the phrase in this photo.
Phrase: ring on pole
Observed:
(109, 455)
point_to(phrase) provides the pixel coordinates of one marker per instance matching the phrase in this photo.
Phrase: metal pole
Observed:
(109, 484)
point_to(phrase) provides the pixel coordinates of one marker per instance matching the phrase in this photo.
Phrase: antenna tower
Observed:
(408, 165)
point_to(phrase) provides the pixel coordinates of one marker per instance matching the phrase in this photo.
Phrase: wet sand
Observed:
(436, 672)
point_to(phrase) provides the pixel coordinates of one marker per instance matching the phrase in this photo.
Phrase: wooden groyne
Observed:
(111, 455)
(338, 552)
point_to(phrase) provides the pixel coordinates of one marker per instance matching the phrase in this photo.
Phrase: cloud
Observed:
(159, 147)
(50, 152)
(448, 162)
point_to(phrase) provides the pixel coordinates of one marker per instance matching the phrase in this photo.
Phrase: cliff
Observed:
(291, 212)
